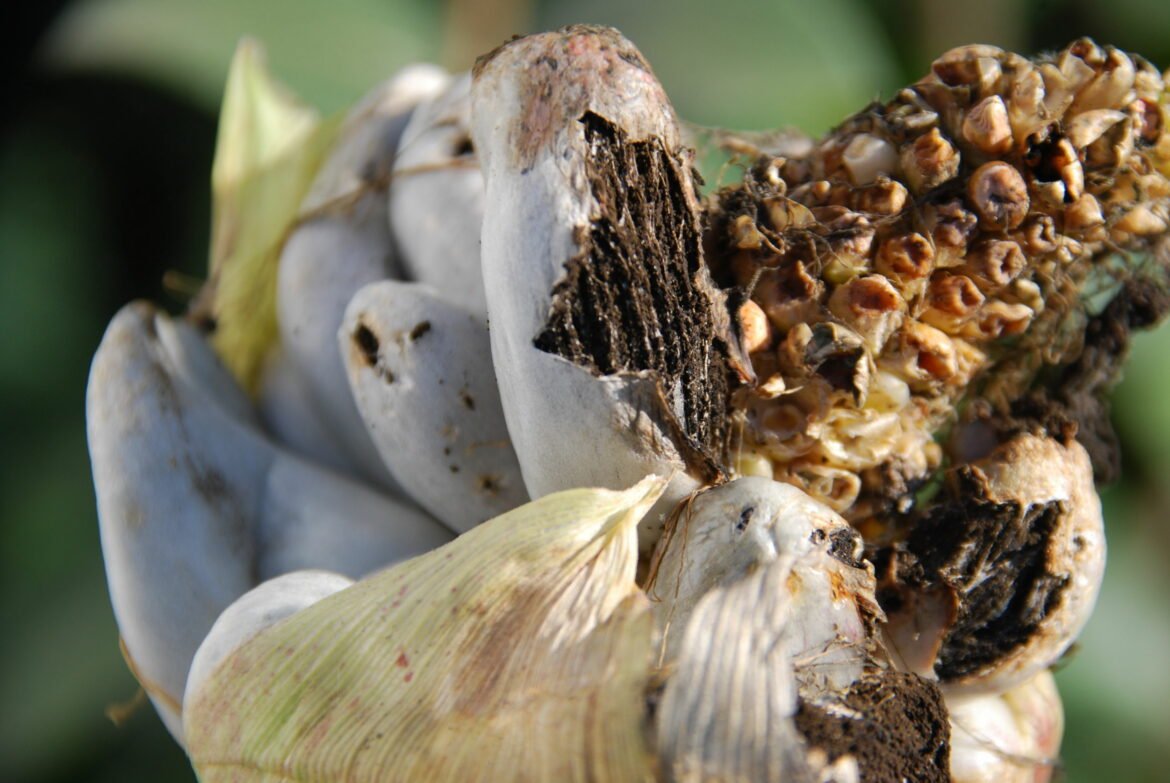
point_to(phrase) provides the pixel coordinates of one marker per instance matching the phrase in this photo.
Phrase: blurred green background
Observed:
(105, 153)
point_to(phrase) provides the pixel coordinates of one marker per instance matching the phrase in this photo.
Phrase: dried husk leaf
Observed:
(518, 652)
(269, 148)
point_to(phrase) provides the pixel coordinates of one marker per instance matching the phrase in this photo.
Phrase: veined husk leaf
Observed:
(268, 148)
(520, 651)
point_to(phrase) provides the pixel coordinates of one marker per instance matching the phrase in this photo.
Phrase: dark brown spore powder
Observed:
(638, 298)
(902, 731)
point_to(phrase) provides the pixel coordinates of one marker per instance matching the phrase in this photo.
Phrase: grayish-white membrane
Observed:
(1031, 501)
(571, 427)
(1011, 737)
(727, 533)
(286, 408)
(196, 505)
(342, 242)
(727, 711)
(421, 372)
(1037, 471)
(437, 199)
(315, 518)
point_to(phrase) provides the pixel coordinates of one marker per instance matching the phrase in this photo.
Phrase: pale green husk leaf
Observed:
(267, 152)
(520, 651)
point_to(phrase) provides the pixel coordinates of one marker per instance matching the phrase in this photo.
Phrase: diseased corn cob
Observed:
(934, 262)
(938, 253)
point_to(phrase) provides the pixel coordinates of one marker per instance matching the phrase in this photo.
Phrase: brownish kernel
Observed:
(998, 319)
(1142, 220)
(789, 296)
(1025, 103)
(987, 126)
(871, 306)
(999, 196)
(1062, 160)
(929, 161)
(951, 301)
(744, 233)
(934, 352)
(951, 227)
(1084, 214)
(995, 263)
(1038, 235)
(786, 213)
(870, 294)
(884, 197)
(847, 231)
(975, 65)
(1147, 119)
(1085, 128)
(1114, 78)
(1113, 149)
(754, 328)
(906, 256)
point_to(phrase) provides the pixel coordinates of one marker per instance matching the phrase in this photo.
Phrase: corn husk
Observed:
(268, 149)
(519, 651)
(261, 607)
